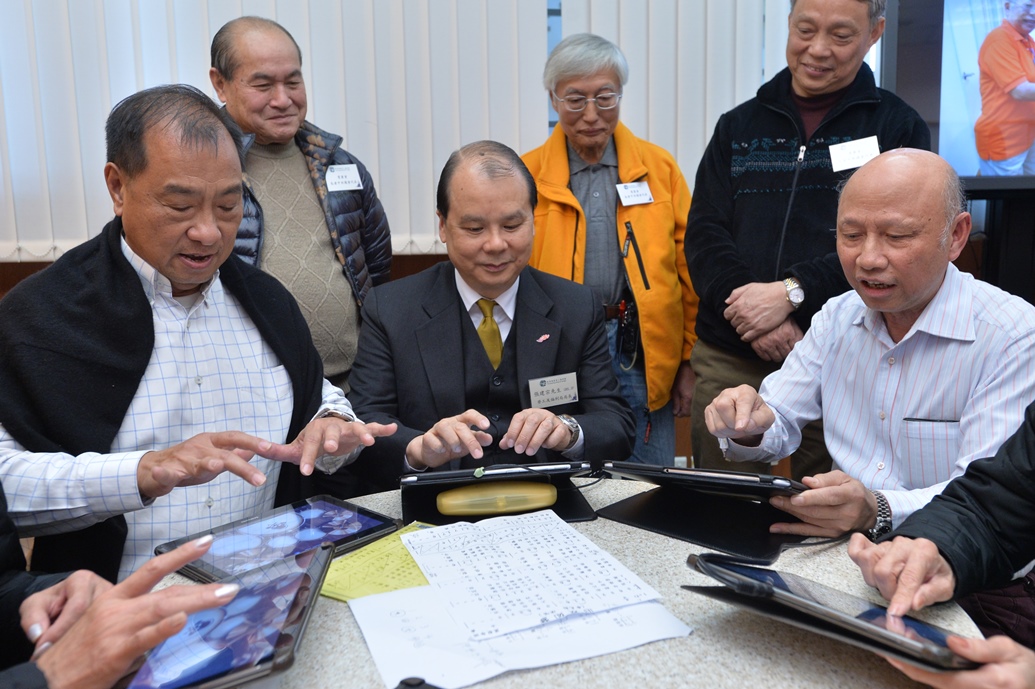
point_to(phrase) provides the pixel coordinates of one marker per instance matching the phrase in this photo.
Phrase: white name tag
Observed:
(343, 178)
(853, 154)
(634, 193)
(549, 392)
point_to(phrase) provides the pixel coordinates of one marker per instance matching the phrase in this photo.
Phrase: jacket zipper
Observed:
(787, 215)
(630, 237)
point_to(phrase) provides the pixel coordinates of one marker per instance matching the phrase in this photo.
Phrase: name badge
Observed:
(549, 392)
(853, 154)
(634, 193)
(343, 178)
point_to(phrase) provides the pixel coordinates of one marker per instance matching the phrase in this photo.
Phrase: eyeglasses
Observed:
(604, 101)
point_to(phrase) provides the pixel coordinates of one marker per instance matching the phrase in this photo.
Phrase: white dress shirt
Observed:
(905, 418)
(210, 371)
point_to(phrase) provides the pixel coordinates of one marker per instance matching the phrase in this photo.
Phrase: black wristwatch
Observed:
(883, 524)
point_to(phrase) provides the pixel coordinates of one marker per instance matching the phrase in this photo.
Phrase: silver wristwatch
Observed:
(795, 292)
(573, 426)
(883, 524)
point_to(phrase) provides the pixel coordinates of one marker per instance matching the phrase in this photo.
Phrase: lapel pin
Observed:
(543, 338)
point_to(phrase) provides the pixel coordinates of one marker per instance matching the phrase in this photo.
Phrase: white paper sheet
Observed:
(410, 634)
(505, 574)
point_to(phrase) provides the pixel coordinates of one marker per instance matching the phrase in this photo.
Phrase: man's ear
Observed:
(218, 83)
(441, 227)
(115, 180)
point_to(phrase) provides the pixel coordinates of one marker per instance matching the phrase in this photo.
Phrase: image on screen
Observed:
(844, 603)
(241, 634)
(267, 540)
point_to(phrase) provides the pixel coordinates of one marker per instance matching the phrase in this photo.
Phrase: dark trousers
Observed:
(1009, 610)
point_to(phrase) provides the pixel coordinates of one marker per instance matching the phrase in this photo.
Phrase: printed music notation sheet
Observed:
(506, 574)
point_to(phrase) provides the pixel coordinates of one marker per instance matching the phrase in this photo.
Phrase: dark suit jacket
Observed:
(409, 368)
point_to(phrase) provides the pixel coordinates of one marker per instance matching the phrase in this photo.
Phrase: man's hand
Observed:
(450, 438)
(199, 460)
(910, 573)
(776, 344)
(326, 436)
(1008, 665)
(739, 413)
(757, 308)
(126, 621)
(47, 615)
(836, 504)
(683, 389)
(531, 429)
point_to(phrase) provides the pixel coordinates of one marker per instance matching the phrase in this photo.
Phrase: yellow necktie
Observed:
(489, 333)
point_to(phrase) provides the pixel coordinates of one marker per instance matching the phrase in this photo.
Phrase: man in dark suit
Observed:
(483, 360)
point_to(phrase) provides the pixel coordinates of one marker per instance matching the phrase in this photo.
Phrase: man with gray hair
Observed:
(312, 218)
(483, 360)
(759, 243)
(154, 385)
(916, 373)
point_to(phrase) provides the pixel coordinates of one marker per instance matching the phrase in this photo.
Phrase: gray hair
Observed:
(582, 55)
(224, 57)
(199, 121)
(876, 9)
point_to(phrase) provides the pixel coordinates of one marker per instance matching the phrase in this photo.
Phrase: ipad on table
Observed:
(283, 532)
(736, 484)
(722, 510)
(818, 608)
(252, 636)
(419, 492)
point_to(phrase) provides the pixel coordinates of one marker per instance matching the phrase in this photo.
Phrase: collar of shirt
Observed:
(576, 164)
(503, 312)
(155, 284)
(940, 317)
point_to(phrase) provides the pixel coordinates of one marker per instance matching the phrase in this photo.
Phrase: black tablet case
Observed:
(418, 499)
(739, 526)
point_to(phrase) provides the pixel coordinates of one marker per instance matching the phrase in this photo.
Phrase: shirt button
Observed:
(197, 380)
(497, 380)
(596, 194)
(882, 416)
(210, 502)
(891, 360)
(880, 466)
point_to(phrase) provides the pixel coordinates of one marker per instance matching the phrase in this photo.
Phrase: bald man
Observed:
(916, 372)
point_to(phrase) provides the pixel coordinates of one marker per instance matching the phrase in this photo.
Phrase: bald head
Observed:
(900, 221)
(223, 52)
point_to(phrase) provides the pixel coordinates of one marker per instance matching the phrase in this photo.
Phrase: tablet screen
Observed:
(286, 533)
(845, 604)
(262, 622)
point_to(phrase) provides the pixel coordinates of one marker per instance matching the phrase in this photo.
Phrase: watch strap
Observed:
(883, 525)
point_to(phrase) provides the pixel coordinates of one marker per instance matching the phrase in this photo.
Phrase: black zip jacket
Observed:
(743, 186)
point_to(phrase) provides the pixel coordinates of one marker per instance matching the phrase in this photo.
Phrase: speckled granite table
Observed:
(728, 647)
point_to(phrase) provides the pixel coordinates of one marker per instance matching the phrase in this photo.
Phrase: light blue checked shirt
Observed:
(905, 418)
(210, 371)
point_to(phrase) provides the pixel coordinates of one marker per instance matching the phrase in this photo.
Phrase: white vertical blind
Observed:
(405, 82)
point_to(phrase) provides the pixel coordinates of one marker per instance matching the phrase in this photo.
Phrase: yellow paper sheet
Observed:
(381, 566)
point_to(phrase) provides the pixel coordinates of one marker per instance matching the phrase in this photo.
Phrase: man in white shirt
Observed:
(124, 362)
(916, 373)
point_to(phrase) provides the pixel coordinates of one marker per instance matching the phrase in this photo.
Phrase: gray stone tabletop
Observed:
(728, 647)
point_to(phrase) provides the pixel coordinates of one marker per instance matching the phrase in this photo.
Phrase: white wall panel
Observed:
(404, 82)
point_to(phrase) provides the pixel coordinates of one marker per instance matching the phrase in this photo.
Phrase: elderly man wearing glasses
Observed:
(611, 214)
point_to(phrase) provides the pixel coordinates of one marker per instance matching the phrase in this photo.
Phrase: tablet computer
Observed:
(737, 484)
(286, 531)
(819, 608)
(419, 492)
(252, 636)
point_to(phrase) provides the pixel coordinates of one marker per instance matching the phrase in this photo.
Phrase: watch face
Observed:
(796, 295)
